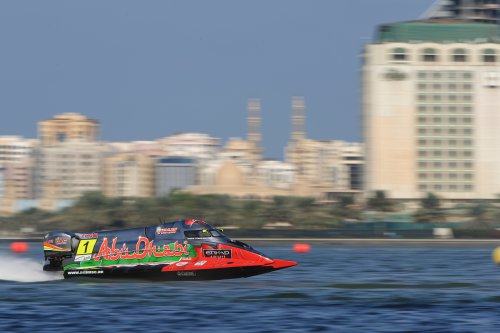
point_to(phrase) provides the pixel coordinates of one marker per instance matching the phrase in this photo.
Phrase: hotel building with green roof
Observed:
(431, 109)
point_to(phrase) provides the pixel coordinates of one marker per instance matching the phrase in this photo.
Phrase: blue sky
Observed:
(149, 69)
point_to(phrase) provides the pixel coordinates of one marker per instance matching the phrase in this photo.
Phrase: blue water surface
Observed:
(335, 288)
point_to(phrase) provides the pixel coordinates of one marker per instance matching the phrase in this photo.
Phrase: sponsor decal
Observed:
(143, 248)
(88, 236)
(61, 241)
(201, 263)
(188, 273)
(217, 253)
(83, 257)
(165, 231)
(182, 263)
(86, 272)
(52, 247)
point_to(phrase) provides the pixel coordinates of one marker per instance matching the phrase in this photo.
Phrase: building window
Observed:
(399, 54)
(429, 55)
(459, 55)
(489, 55)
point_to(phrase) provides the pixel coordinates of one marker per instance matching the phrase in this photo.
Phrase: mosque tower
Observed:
(254, 135)
(298, 133)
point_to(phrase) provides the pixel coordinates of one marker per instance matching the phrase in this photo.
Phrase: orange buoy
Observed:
(301, 247)
(19, 247)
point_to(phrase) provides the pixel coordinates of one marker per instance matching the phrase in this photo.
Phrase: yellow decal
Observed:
(86, 246)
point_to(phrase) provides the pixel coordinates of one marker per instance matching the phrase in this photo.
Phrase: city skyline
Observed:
(146, 71)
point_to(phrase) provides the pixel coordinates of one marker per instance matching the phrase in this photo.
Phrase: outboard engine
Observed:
(58, 245)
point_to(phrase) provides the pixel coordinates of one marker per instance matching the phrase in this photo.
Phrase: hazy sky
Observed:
(149, 69)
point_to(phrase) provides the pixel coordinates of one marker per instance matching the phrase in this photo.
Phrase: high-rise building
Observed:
(431, 96)
(67, 126)
(480, 11)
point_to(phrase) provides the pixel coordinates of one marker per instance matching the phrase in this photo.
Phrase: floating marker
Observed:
(496, 256)
(301, 247)
(19, 247)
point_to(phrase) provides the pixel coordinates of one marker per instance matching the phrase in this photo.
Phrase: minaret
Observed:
(254, 133)
(298, 133)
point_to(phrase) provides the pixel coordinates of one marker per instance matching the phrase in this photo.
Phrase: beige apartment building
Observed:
(128, 175)
(200, 146)
(15, 148)
(16, 171)
(69, 169)
(67, 126)
(431, 120)
(328, 165)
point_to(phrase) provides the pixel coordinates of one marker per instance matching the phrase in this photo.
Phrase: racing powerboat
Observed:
(177, 250)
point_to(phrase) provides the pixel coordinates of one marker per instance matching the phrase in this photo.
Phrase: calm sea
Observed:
(334, 289)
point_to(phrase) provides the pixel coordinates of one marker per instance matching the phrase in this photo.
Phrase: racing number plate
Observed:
(86, 246)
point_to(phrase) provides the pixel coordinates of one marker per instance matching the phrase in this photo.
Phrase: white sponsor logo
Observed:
(83, 257)
(201, 263)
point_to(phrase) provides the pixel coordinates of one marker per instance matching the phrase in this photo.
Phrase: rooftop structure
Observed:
(481, 11)
(67, 126)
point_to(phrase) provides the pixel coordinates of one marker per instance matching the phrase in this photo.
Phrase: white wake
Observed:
(22, 269)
